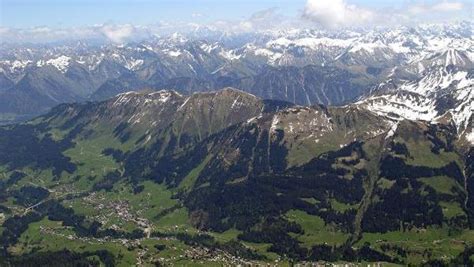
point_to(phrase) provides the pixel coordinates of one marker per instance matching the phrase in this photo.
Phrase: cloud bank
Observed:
(326, 14)
(117, 34)
(336, 13)
(340, 13)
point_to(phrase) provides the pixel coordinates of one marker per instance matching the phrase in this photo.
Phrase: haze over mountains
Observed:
(304, 67)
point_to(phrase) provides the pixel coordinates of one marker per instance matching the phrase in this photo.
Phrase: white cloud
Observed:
(440, 7)
(447, 6)
(41, 30)
(270, 19)
(326, 13)
(335, 13)
(267, 19)
(117, 33)
(102, 32)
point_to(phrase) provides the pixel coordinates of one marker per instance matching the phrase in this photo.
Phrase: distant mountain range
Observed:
(305, 67)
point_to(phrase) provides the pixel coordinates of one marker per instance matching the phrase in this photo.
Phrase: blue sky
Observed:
(122, 20)
(65, 13)
(73, 13)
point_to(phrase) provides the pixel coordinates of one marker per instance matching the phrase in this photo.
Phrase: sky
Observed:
(116, 19)
(68, 13)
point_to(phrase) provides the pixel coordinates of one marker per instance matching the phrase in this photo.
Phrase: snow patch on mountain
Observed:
(401, 106)
(19, 64)
(453, 57)
(275, 122)
(209, 48)
(61, 63)
(184, 103)
(230, 55)
(272, 57)
(392, 131)
(162, 96)
(174, 53)
(464, 110)
(8, 66)
(437, 93)
(134, 64)
(470, 137)
(312, 43)
(368, 47)
(435, 80)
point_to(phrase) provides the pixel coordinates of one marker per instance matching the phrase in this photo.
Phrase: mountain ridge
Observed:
(229, 163)
(355, 60)
(346, 146)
